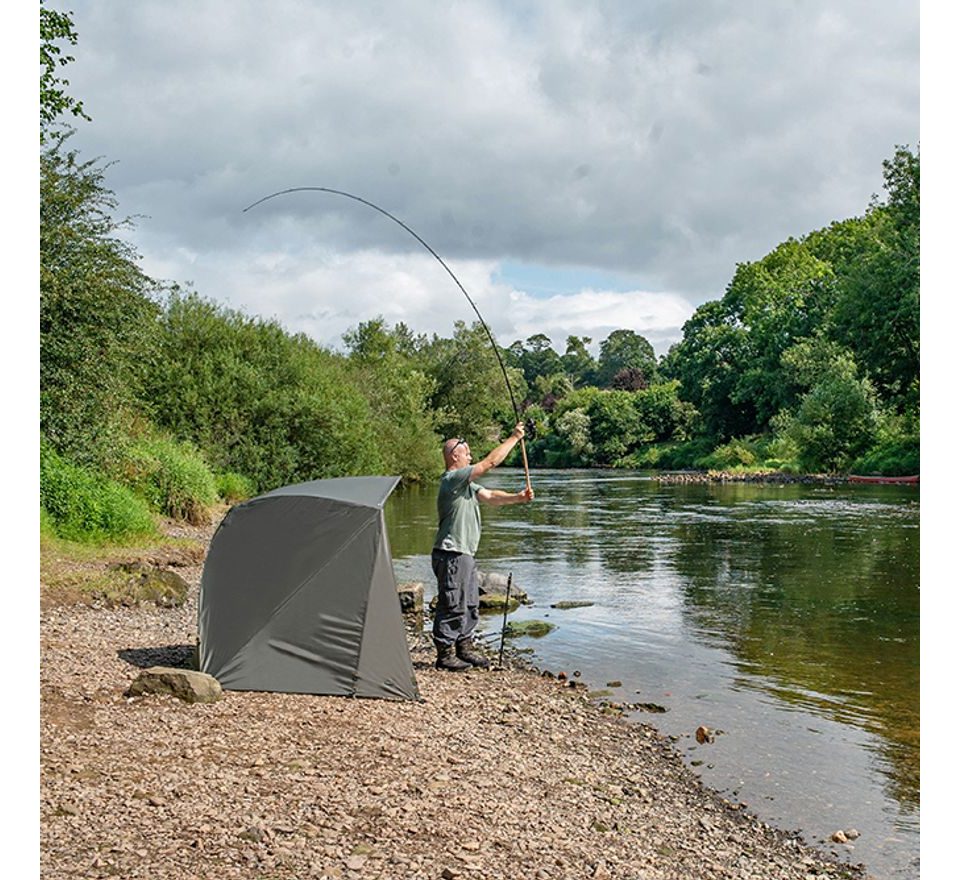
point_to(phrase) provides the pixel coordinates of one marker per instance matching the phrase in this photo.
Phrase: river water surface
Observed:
(785, 617)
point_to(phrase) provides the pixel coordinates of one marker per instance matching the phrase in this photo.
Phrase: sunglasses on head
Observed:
(460, 442)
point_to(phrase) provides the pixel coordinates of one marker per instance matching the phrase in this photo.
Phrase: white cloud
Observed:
(661, 142)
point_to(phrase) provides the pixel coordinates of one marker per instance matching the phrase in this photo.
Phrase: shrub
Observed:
(894, 457)
(84, 505)
(738, 453)
(233, 487)
(173, 477)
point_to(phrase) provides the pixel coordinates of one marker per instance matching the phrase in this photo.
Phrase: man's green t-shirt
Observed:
(459, 512)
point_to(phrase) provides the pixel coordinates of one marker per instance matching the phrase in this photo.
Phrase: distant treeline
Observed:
(809, 361)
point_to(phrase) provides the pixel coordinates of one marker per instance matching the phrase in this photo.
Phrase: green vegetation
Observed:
(80, 504)
(155, 400)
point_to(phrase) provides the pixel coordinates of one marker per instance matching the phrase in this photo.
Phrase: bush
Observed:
(83, 505)
(739, 453)
(895, 457)
(233, 487)
(173, 477)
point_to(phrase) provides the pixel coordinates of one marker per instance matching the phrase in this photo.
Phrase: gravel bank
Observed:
(497, 774)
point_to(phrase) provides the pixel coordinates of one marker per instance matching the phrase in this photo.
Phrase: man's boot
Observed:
(447, 659)
(466, 651)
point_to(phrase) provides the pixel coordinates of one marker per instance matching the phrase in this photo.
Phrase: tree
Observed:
(837, 419)
(614, 426)
(878, 312)
(577, 362)
(398, 393)
(98, 310)
(708, 362)
(536, 357)
(274, 407)
(622, 350)
(470, 397)
(54, 101)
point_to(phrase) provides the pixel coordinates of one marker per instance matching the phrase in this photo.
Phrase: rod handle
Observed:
(526, 467)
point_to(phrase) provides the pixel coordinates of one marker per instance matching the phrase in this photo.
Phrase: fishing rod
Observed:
(439, 259)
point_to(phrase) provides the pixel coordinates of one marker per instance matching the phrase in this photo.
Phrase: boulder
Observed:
(160, 585)
(533, 628)
(411, 597)
(493, 592)
(184, 684)
(411, 604)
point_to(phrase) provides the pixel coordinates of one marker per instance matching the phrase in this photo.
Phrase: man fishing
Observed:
(458, 508)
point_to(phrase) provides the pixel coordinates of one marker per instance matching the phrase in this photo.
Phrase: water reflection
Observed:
(792, 613)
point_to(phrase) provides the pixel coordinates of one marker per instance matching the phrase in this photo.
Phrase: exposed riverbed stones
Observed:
(772, 477)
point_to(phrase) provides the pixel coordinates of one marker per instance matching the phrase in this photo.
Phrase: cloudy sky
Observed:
(580, 166)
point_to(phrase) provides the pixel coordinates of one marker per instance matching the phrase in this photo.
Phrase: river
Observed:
(785, 618)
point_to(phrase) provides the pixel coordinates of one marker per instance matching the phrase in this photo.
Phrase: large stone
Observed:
(185, 684)
(411, 597)
(160, 585)
(493, 593)
(411, 604)
(533, 628)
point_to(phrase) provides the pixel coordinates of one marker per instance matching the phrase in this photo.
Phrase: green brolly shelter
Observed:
(298, 594)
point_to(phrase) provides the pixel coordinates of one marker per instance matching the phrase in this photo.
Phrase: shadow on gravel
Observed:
(177, 656)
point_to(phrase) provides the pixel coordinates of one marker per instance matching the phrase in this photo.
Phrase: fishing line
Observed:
(439, 259)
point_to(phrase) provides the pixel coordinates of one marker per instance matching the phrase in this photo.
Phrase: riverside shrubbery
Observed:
(83, 505)
(172, 476)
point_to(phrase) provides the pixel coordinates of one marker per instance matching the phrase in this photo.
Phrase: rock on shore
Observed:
(500, 774)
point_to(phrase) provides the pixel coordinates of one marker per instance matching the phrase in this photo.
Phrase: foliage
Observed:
(172, 476)
(896, 451)
(625, 350)
(708, 362)
(233, 487)
(97, 317)
(54, 101)
(878, 311)
(274, 407)
(82, 505)
(398, 394)
(577, 362)
(837, 419)
(469, 395)
(536, 358)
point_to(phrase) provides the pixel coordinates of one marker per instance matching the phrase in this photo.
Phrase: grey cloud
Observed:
(667, 141)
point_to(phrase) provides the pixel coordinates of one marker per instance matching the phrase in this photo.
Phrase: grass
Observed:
(74, 573)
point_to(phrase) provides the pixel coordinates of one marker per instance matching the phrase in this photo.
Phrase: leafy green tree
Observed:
(708, 362)
(578, 363)
(258, 401)
(878, 313)
(573, 431)
(550, 389)
(662, 416)
(614, 426)
(778, 299)
(622, 350)
(98, 311)
(469, 397)
(837, 419)
(538, 358)
(398, 394)
(54, 100)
